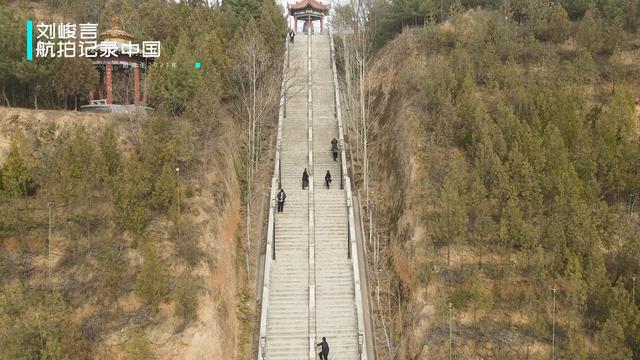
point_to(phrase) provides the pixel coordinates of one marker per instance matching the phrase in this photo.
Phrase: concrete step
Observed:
(288, 317)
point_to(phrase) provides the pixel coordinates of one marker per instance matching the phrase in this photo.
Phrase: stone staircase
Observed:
(335, 301)
(311, 288)
(288, 315)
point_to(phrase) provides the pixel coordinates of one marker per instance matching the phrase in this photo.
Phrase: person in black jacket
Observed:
(281, 197)
(305, 179)
(327, 178)
(292, 36)
(324, 353)
(334, 149)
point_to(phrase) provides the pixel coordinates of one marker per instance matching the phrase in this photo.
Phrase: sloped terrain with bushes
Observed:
(505, 164)
(129, 236)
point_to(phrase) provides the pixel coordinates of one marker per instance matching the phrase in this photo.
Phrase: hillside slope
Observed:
(503, 167)
(94, 305)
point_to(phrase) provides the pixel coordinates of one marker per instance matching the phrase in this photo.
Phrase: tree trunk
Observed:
(4, 96)
(35, 99)
(26, 202)
(365, 157)
(347, 64)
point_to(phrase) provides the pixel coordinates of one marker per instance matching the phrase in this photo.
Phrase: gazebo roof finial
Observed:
(116, 23)
(116, 33)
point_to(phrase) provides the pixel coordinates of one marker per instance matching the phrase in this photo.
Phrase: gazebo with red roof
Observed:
(123, 58)
(308, 10)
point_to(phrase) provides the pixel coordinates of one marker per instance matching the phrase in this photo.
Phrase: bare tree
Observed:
(353, 21)
(361, 113)
(256, 77)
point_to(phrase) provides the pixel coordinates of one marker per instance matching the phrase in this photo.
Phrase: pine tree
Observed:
(173, 87)
(79, 164)
(576, 288)
(75, 78)
(164, 188)
(560, 180)
(576, 347)
(449, 221)
(110, 159)
(480, 297)
(273, 27)
(470, 110)
(525, 183)
(11, 50)
(610, 342)
(588, 34)
(558, 24)
(151, 283)
(16, 172)
(513, 227)
(482, 227)
(186, 306)
(613, 133)
(133, 186)
(491, 169)
(113, 267)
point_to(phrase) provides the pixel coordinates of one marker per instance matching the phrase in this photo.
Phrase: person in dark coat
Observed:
(324, 352)
(305, 179)
(292, 36)
(334, 149)
(281, 197)
(327, 178)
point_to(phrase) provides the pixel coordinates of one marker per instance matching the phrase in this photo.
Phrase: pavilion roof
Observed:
(308, 3)
(116, 32)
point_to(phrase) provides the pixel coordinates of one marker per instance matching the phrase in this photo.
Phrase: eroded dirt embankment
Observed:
(397, 175)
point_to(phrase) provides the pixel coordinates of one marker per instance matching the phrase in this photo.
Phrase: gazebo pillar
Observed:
(136, 84)
(109, 69)
(321, 22)
(309, 24)
(101, 86)
(295, 24)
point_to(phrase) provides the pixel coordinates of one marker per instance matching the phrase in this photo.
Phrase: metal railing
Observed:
(341, 169)
(273, 246)
(348, 239)
(279, 168)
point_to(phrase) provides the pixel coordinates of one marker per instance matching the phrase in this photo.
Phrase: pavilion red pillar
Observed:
(295, 24)
(101, 86)
(321, 22)
(308, 24)
(136, 85)
(108, 68)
